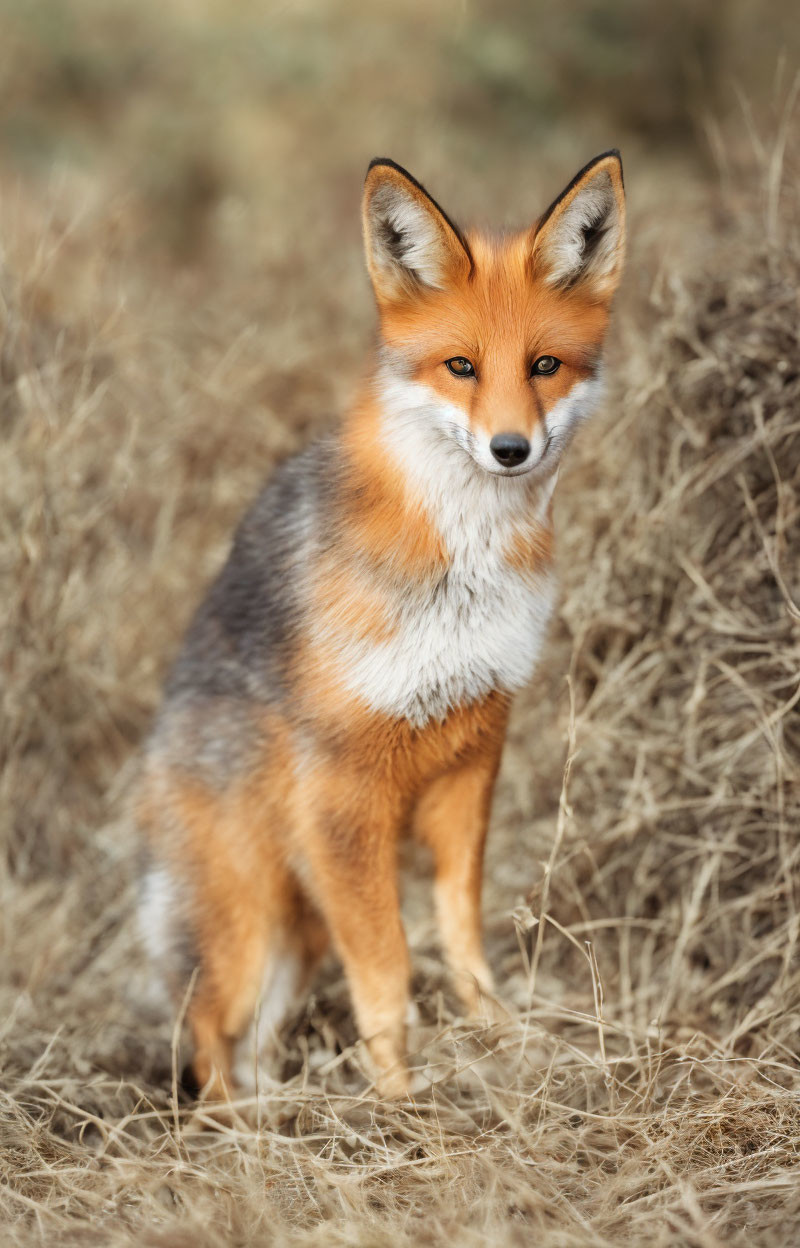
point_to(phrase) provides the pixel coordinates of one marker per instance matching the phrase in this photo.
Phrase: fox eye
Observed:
(460, 367)
(545, 366)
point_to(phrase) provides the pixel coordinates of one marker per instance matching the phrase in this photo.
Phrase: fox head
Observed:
(490, 345)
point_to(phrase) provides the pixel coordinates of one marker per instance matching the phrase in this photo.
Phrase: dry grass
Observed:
(642, 916)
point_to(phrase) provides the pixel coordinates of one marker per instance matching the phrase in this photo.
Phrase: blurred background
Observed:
(219, 124)
(224, 144)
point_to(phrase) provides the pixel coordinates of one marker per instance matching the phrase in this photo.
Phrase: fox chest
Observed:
(478, 630)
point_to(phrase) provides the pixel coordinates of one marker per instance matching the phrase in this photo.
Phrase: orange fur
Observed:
(377, 494)
(296, 838)
(531, 547)
(340, 604)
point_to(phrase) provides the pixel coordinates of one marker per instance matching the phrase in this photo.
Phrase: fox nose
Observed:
(509, 449)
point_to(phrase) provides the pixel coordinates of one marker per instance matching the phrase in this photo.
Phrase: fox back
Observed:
(348, 677)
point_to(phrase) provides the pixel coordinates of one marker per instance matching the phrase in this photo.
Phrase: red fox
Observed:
(348, 677)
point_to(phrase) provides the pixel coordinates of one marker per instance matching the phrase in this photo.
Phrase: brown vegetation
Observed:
(159, 352)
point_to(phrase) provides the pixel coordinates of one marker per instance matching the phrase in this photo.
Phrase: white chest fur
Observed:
(479, 629)
(481, 626)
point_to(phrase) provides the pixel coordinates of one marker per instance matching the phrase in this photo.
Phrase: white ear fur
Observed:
(404, 237)
(409, 242)
(582, 237)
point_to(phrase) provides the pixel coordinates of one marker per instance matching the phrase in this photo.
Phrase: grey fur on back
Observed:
(234, 657)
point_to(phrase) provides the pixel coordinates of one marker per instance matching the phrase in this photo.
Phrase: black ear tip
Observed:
(613, 153)
(616, 154)
(387, 163)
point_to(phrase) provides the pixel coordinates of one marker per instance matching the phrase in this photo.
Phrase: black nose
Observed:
(509, 448)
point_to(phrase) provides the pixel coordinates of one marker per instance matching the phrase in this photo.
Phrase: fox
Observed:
(347, 680)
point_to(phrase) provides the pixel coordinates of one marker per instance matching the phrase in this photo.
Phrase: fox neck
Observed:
(456, 563)
(413, 464)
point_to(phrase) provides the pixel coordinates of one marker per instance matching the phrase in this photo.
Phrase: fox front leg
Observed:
(349, 842)
(453, 818)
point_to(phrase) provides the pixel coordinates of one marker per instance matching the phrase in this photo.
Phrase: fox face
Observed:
(490, 346)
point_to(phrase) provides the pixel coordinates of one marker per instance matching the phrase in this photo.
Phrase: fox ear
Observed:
(581, 237)
(411, 245)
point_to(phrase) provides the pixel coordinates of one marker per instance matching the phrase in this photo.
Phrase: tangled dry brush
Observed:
(642, 905)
